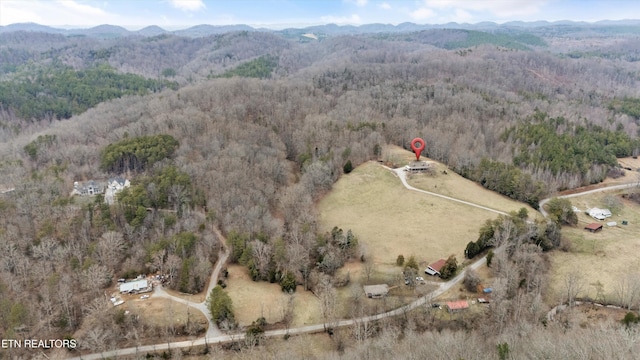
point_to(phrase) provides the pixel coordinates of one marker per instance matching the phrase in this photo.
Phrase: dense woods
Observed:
(251, 130)
(138, 153)
(58, 92)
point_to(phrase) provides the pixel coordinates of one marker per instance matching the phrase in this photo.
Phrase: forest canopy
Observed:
(260, 68)
(557, 145)
(137, 153)
(60, 91)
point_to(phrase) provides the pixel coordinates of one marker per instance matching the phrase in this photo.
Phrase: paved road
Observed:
(216, 337)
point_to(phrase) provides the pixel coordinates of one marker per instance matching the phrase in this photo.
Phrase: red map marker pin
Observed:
(417, 145)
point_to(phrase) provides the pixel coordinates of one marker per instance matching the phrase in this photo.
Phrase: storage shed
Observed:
(593, 227)
(459, 305)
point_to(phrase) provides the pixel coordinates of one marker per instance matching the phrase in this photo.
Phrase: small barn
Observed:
(434, 269)
(593, 227)
(376, 291)
(459, 305)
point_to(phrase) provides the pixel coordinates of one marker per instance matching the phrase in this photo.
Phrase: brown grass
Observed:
(454, 185)
(602, 257)
(161, 312)
(390, 220)
(251, 300)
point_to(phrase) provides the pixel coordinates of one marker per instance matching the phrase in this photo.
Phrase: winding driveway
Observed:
(215, 336)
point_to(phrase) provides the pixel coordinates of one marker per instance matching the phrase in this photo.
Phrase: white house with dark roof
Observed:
(90, 187)
(114, 185)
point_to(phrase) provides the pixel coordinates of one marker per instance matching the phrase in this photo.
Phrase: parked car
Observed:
(144, 297)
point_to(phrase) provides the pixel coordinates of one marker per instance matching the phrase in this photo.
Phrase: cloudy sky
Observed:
(176, 14)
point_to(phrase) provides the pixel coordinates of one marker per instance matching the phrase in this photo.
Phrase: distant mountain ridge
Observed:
(110, 31)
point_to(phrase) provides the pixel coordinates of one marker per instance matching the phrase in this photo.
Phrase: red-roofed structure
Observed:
(457, 305)
(434, 269)
(593, 227)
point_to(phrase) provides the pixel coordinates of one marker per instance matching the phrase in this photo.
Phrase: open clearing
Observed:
(390, 220)
(252, 299)
(446, 182)
(454, 185)
(604, 257)
(164, 312)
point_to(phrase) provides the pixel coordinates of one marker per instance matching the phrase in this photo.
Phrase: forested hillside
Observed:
(244, 131)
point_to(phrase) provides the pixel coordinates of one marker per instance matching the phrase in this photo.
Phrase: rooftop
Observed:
(458, 305)
(593, 227)
(134, 285)
(438, 265)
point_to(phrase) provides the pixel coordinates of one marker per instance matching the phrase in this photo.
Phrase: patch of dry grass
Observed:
(161, 312)
(446, 182)
(390, 220)
(252, 300)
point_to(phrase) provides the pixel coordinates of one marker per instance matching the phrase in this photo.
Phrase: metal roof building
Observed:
(457, 305)
(434, 269)
(135, 286)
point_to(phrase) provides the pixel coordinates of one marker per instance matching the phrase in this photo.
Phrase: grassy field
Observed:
(603, 257)
(391, 220)
(252, 300)
(160, 312)
(454, 185)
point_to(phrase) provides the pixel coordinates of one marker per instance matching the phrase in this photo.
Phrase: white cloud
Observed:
(422, 14)
(79, 8)
(353, 19)
(188, 5)
(15, 12)
(463, 16)
(385, 6)
(64, 13)
(499, 8)
(359, 3)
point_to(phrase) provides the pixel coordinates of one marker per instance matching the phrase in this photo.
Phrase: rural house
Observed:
(135, 287)
(434, 269)
(599, 214)
(114, 185)
(90, 187)
(418, 166)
